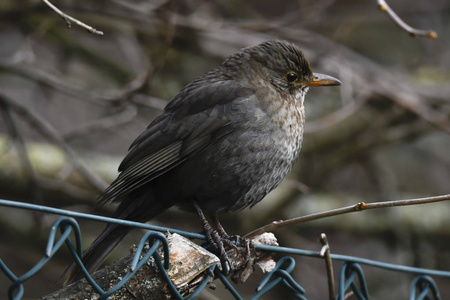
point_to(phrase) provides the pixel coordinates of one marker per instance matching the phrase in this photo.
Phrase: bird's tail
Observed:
(98, 251)
(139, 208)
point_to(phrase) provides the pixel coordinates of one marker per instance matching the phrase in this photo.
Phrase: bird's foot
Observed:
(234, 240)
(223, 242)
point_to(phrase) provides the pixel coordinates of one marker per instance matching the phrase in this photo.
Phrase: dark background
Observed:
(383, 135)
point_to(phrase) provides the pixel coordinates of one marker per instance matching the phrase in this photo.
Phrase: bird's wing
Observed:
(191, 122)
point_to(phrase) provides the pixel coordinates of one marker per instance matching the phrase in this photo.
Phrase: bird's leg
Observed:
(238, 239)
(212, 235)
(218, 237)
(219, 226)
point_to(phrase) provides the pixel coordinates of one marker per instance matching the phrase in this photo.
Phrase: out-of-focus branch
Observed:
(149, 101)
(124, 116)
(383, 6)
(20, 146)
(14, 177)
(69, 19)
(337, 116)
(295, 184)
(55, 82)
(50, 132)
(168, 17)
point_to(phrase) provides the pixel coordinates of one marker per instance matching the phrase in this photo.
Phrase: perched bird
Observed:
(223, 142)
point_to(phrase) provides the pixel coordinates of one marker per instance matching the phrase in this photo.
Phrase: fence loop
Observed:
(16, 289)
(150, 237)
(425, 286)
(347, 274)
(16, 293)
(281, 275)
(65, 225)
(154, 239)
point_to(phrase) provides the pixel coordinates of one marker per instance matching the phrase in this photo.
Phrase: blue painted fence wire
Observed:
(426, 287)
(351, 276)
(348, 272)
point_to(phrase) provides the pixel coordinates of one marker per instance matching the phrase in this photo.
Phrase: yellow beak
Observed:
(323, 80)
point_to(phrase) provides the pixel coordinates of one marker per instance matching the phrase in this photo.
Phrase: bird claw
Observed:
(219, 239)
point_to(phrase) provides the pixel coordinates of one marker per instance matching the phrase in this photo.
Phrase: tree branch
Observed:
(383, 6)
(68, 19)
(275, 225)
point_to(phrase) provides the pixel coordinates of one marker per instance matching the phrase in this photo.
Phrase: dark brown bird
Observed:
(224, 141)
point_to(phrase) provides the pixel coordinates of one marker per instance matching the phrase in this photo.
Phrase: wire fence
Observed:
(351, 276)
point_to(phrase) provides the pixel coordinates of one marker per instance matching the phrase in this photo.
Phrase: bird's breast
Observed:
(263, 148)
(239, 169)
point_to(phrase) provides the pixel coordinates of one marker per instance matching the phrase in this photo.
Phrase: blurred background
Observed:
(71, 103)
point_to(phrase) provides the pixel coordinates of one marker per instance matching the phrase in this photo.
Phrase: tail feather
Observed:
(139, 206)
(98, 251)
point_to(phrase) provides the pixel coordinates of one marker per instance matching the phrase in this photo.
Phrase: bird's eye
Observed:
(291, 77)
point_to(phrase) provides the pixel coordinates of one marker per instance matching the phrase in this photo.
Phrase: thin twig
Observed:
(382, 5)
(344, 210)
(68, 19)
(325, 253)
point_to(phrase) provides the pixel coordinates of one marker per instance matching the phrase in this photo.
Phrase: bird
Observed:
(221, 144)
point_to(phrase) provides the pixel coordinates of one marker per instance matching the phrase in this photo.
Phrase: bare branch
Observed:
(412, 31)
(68, 19)
(344, 210)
